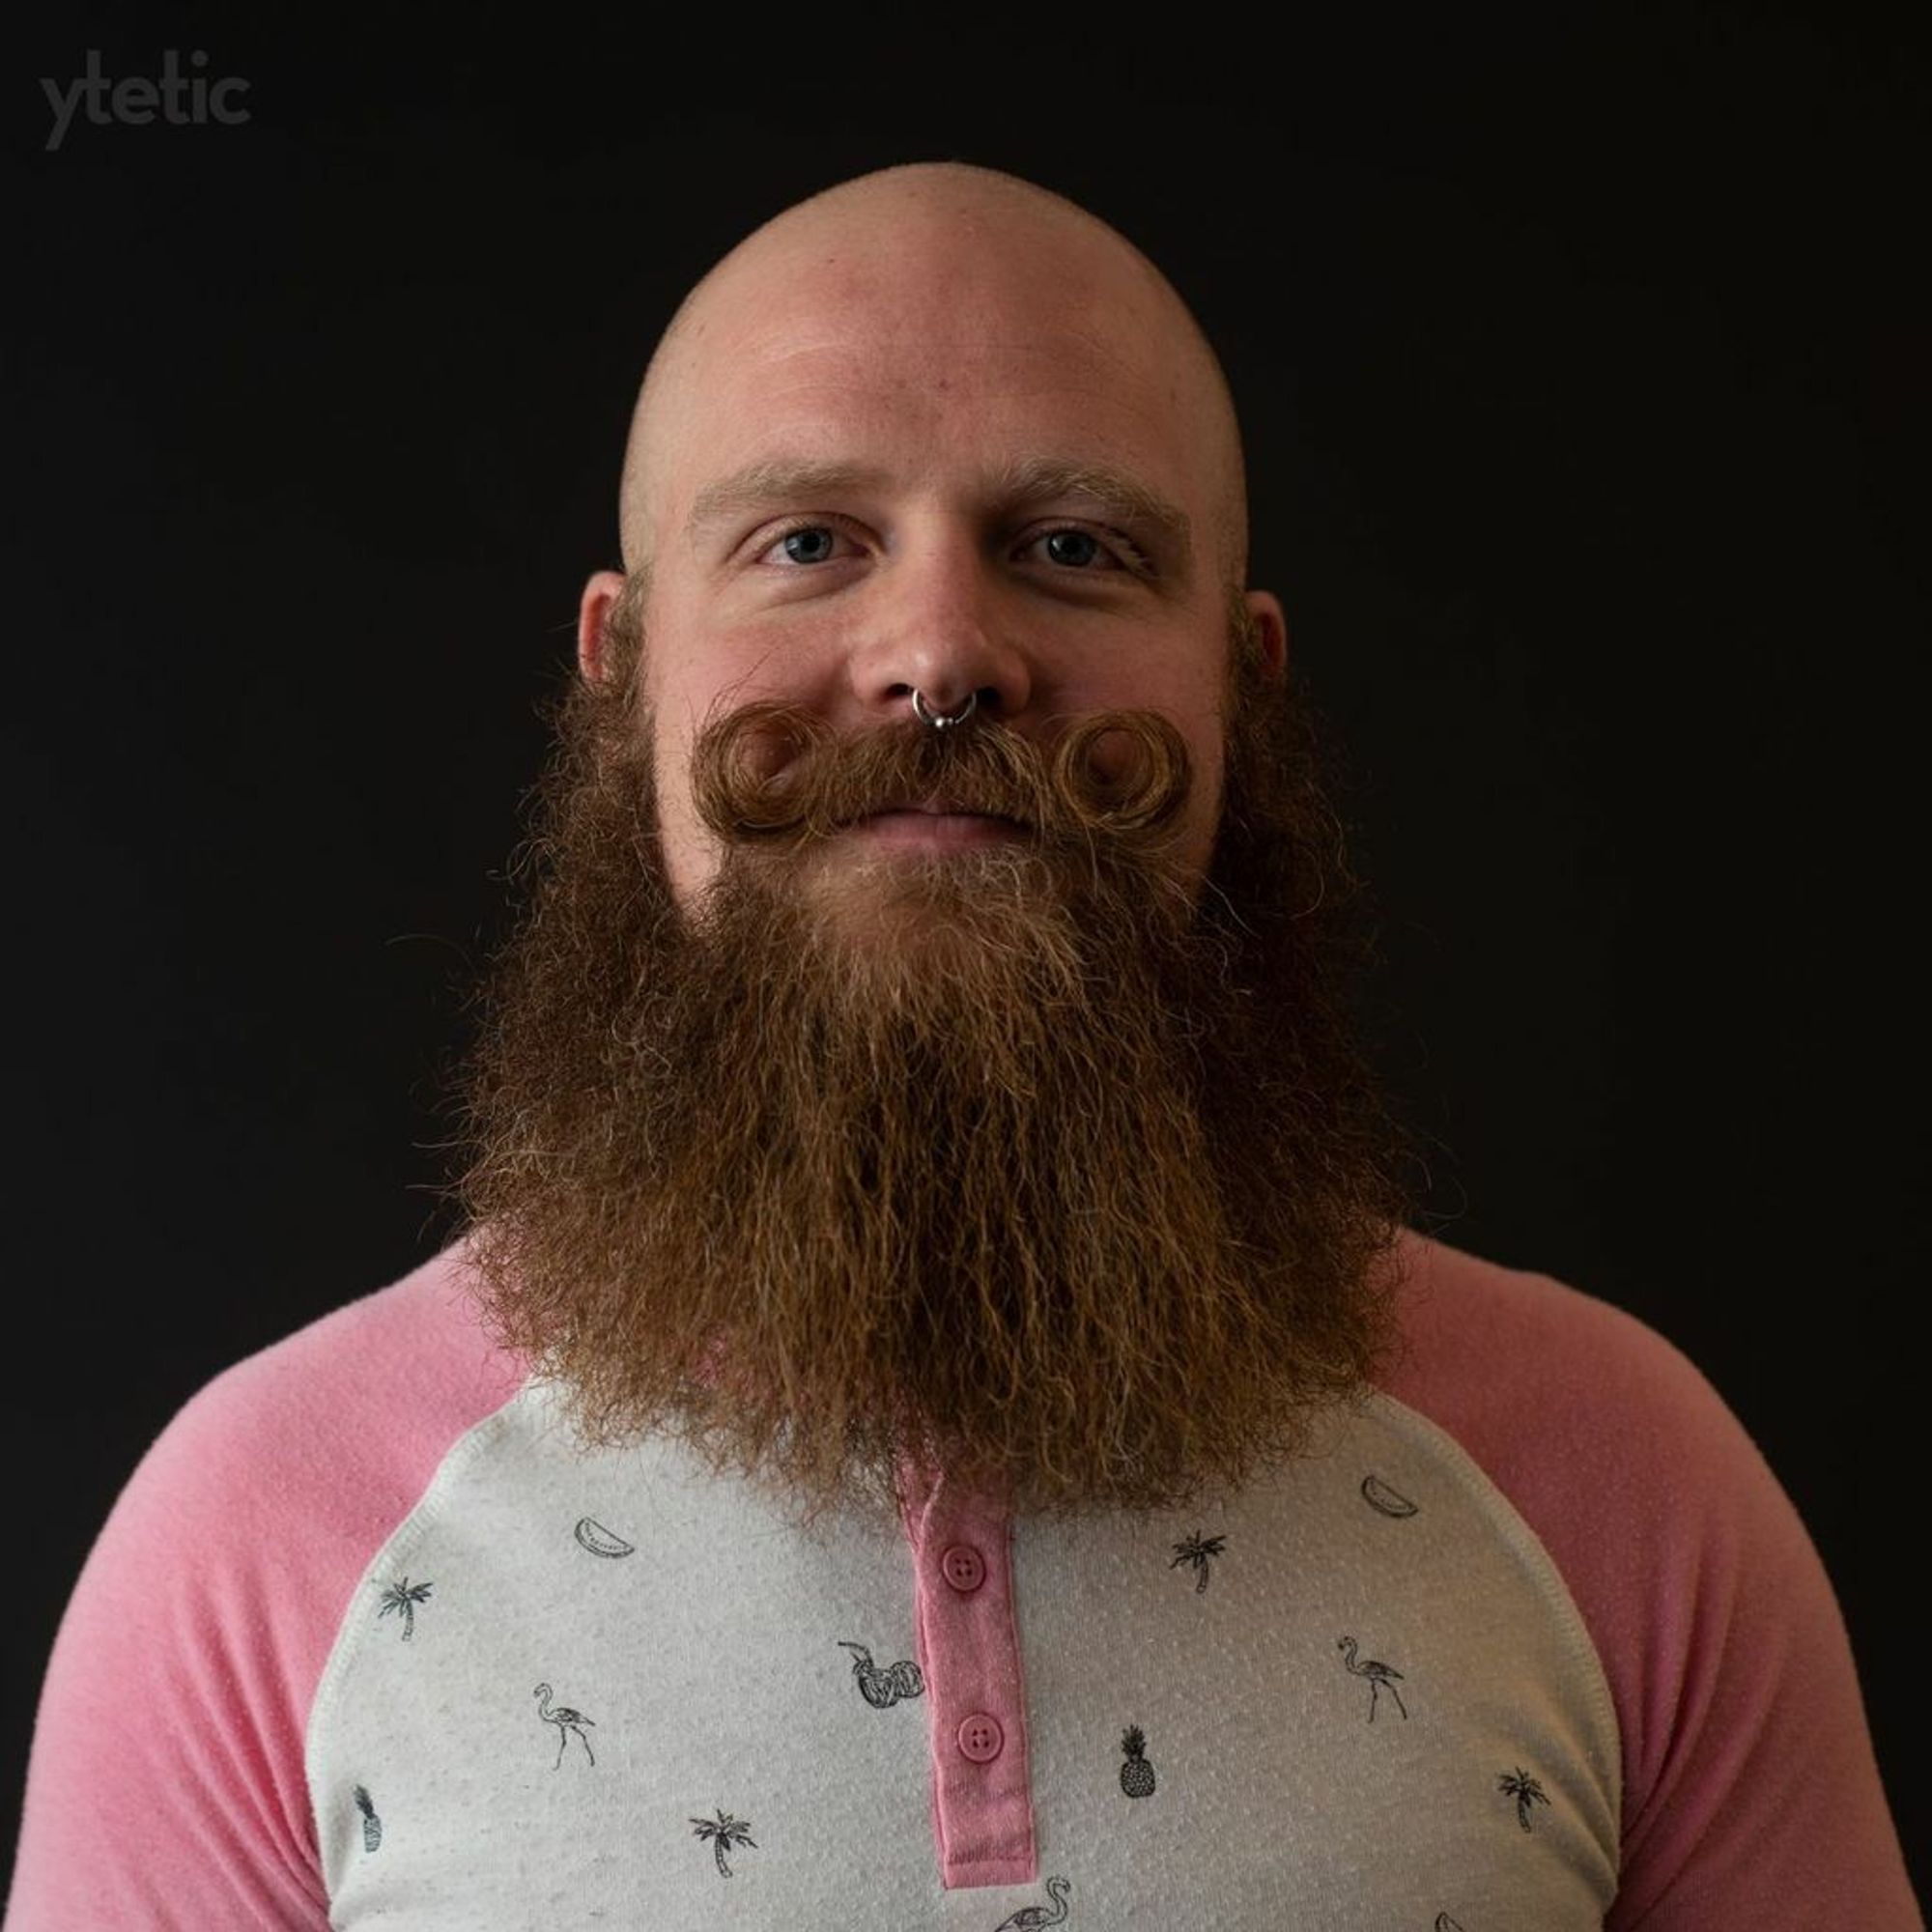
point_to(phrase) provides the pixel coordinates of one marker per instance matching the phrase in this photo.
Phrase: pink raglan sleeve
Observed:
(166, 1790)
(1750, 1793)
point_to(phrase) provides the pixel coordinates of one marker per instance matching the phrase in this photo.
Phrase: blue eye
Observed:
(1077, 549)
(1067, 548)
(810, 543)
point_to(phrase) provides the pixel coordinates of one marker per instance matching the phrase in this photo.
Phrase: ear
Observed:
(1270, 631)
(592, 609)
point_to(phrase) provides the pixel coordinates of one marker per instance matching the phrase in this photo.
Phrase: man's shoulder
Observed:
(367, 1399)
(420, 1339)
(219, 1582)
(278, 1479)
(1487, 1349)
(1697, 1581)
(1583, 1415)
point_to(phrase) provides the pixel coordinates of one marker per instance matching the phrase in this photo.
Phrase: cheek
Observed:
(1179, 680)
(684, 690)
(689, 851)
(1203, 803)
(1196, 709)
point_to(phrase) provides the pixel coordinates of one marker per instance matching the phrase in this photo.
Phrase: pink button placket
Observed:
(960, 1545)
(980, 1737)
(963, 1567)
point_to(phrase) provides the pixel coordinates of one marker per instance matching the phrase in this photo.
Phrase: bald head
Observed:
(952, 253)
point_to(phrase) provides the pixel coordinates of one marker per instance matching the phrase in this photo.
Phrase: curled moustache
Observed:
(780, 773)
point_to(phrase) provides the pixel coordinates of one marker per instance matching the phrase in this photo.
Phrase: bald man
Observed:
(937, 1417)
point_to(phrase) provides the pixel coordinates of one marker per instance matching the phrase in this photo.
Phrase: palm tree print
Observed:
(727, 1833)
(1525, 1790)
(405, 1597)
(1197, 1550)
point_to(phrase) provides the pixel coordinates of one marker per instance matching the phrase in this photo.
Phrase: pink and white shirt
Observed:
(1534, 1642)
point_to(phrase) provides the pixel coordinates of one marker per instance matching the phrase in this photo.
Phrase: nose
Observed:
(939, 625)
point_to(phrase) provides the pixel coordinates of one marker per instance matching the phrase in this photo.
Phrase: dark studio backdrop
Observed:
(1578, 366)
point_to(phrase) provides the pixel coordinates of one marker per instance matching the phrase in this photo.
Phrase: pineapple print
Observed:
(372, 1826)
(1137, 1774)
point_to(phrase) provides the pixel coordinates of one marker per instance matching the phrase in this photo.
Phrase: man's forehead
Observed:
(913, 262)
(987, 308)
(892, 346)
(880, 399)
(1031, 335)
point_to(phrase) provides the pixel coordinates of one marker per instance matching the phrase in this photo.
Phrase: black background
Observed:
(1578, 365)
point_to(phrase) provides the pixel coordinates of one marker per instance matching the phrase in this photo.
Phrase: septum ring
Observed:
(927, 716)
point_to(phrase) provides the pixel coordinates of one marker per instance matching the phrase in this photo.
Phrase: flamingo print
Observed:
(1382, 1677)
(566, 1722)
(1029, 1918)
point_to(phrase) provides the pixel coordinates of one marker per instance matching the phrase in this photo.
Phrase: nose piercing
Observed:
(927, 716)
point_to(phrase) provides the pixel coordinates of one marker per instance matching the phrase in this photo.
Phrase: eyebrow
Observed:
(1025, 480)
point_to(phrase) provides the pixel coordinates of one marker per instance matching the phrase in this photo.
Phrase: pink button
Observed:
(963, 1567)
(981, 1737)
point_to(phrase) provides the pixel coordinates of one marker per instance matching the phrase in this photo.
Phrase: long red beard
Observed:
(1022, 1153)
